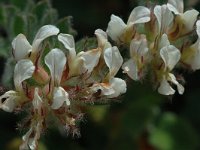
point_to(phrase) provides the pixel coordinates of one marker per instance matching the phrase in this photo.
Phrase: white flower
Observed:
(111, 87)
(170, 56)
(138, 53)
(116, 26)
(56, 61)
(185, 20)
(21, 46)
(82, 62)
(191, 56)
(23, 70)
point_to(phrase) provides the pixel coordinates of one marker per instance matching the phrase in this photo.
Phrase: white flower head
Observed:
(138, 53)
(186, 19)
(21, 46)
(81, 62)
(170, 56)
(117, 27)
(175, 6)
(113, 87)
(23, 70)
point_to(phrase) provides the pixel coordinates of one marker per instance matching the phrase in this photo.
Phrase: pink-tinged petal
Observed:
(23, 70)
(165, 88)
(43, 33)
(175, 6)
(68, 41)
(116, 27)
(21, 47)
(59, 97)
(139, 14)
(131, 69)
(170, 55)
(56, 60)
(113, 60)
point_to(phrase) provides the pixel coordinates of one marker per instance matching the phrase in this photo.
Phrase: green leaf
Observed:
(174, 133)
(86, 44)
(65, 26)
(19, 25)
(21, 4)
(49, 17)
(40, 9)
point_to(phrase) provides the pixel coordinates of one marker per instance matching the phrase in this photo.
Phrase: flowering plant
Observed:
(55, 81)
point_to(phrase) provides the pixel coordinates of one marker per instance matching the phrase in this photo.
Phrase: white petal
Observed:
(101, 37)
(21, 47)
(175, 6)
(119, 87)
(56, 60)
(170, 55)
(43, 33)
(113, 60)
(131, 69)
(164, 41)
(23, 70)
(10, 100)
(138, 47)
(198, 28)
(180, 88)
(164, 17)
(190, 18)
(165, 88)
(37, 100)
(59, 97)
(68, 41)
(91, 59)
(116, 28)
(139, 14)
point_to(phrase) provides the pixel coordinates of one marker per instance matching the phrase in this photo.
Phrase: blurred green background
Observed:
(139, 120)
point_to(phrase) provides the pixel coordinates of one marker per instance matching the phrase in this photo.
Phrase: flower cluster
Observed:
(159, 40)
(55, 81)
